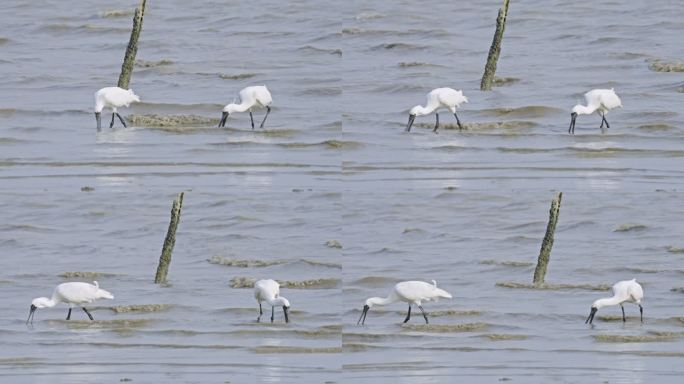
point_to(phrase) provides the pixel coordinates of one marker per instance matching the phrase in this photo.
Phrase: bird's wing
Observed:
(636, 291)
(609, 99)
(415, 290)
(450, 97)
(118, 97)
(77, 292)
(263, 96)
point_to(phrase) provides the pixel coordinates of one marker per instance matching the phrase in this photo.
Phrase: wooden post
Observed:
(132, 49)
(547, 243)
(169, 241)
(495, 49)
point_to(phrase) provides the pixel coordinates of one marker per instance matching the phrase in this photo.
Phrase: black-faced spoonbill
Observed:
(437, 99)
(598, 100)
(76, 294)
(255, 97)
(113, 98)
(269, 291)
(411, 292)
(626, 291)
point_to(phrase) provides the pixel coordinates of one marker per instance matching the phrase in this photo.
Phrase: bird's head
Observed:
(592, 313)
(415, 111)
(224, 115)
(41, 302)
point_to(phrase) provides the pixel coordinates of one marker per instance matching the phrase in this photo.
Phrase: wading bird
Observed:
(113, 98)
(269, 291)
(76, 294)
(437, 99)
(598, 100)
(626, 291)
(251, 98)
(411, 292)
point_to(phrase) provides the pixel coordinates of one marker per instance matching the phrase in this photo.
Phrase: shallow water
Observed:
(467, 209)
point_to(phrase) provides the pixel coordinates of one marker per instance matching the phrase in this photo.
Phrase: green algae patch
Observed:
(658, 65)
(325, 283)
(503, 81)
(85, 275)
(655, 338)
(154, 120)
(285, 349)
(140, 308)
(229, 262)
(627, 227)
(152, 64)
(553, 287)
(239, 76)
(505, 263)
(445, 328)
(453, 312)
(503, 336)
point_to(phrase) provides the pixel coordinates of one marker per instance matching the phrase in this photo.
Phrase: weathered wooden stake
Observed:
(169, 241)
(132, 49)
(495, 49)
(547, 243)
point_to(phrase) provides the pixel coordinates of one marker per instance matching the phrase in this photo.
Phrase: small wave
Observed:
(400, 46)
(503, 336)
(628, 227)
(504, 81)
(325, 283)
(658, 65)
(515, 264)
(83, 27)
(170, 121)
(412, 64)
(445, 328)
(453, 312)
(673, 249)
(553, 287)
(330, 51)
(239, 76)
(528, 111)
(369, 15)
(635, 338)
(656, 127)
(113, 323)
(25, 228)
(333, 244)
(330, 144)
(324, 91)
(286, 349)
(504, 125)
(242, 263)
(112, 13)
(152, 64)
(140, 308)
(4, 40)
(375, 281)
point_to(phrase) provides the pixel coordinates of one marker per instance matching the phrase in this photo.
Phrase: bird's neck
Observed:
(382, 301)
(275, 301)
(419, 110)
(615, 300)
(243, 106)
(584, 110)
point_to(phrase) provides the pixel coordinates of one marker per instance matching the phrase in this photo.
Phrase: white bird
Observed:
(255, 97)
(626, 291)
(411, 292)
(76, 294)
(113, 98)
(269, 291)
(437, 99)
(598, 100)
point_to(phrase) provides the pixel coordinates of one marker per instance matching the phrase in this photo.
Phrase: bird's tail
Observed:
(443, 293)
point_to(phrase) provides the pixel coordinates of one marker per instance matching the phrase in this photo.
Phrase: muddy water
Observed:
(333, 167)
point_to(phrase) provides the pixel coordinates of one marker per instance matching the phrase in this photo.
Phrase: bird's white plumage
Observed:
(626, 291)
(440, 98)
(250, 98)
(113, 98)
(601, 100)
(265, 290)
(77, 293)
(418, 291)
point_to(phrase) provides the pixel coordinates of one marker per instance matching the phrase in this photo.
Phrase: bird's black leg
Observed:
(623, 313)
(460, 127)
(87, 313)
(268, 110)
(111, 125)
(424, 314)
(436, 122)
(121, 120)
(261, 312)
(604, 119)
(641, 310)
(272, 310)
(98, 118)
(408, 316)
(252, 118)
(69, 315)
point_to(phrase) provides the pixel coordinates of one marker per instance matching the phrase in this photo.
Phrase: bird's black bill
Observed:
(32, 313)
(573, 117)
(362, 319)
(224, 117)
(410, 122)
(98, 118)
(287, 318)
(590, 319)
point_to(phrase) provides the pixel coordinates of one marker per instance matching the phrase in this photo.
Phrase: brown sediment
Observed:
(656, 127)
(154, 120)
(139, 308)
(653, 338)
(673, 249)
(503, 81)
(547, 286)
(507, 263)
(511, 125)
(3, 40)
(151, 64)
(415, 64)
(629, 227)
(85, 275)
(116, 13)
(658, 65)
(240, 76)
(87, 189)
(445, 328)
(110, 323)
(248, 282)
(354, 347)
(503, 336)
(242, 263)
(286, 349)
